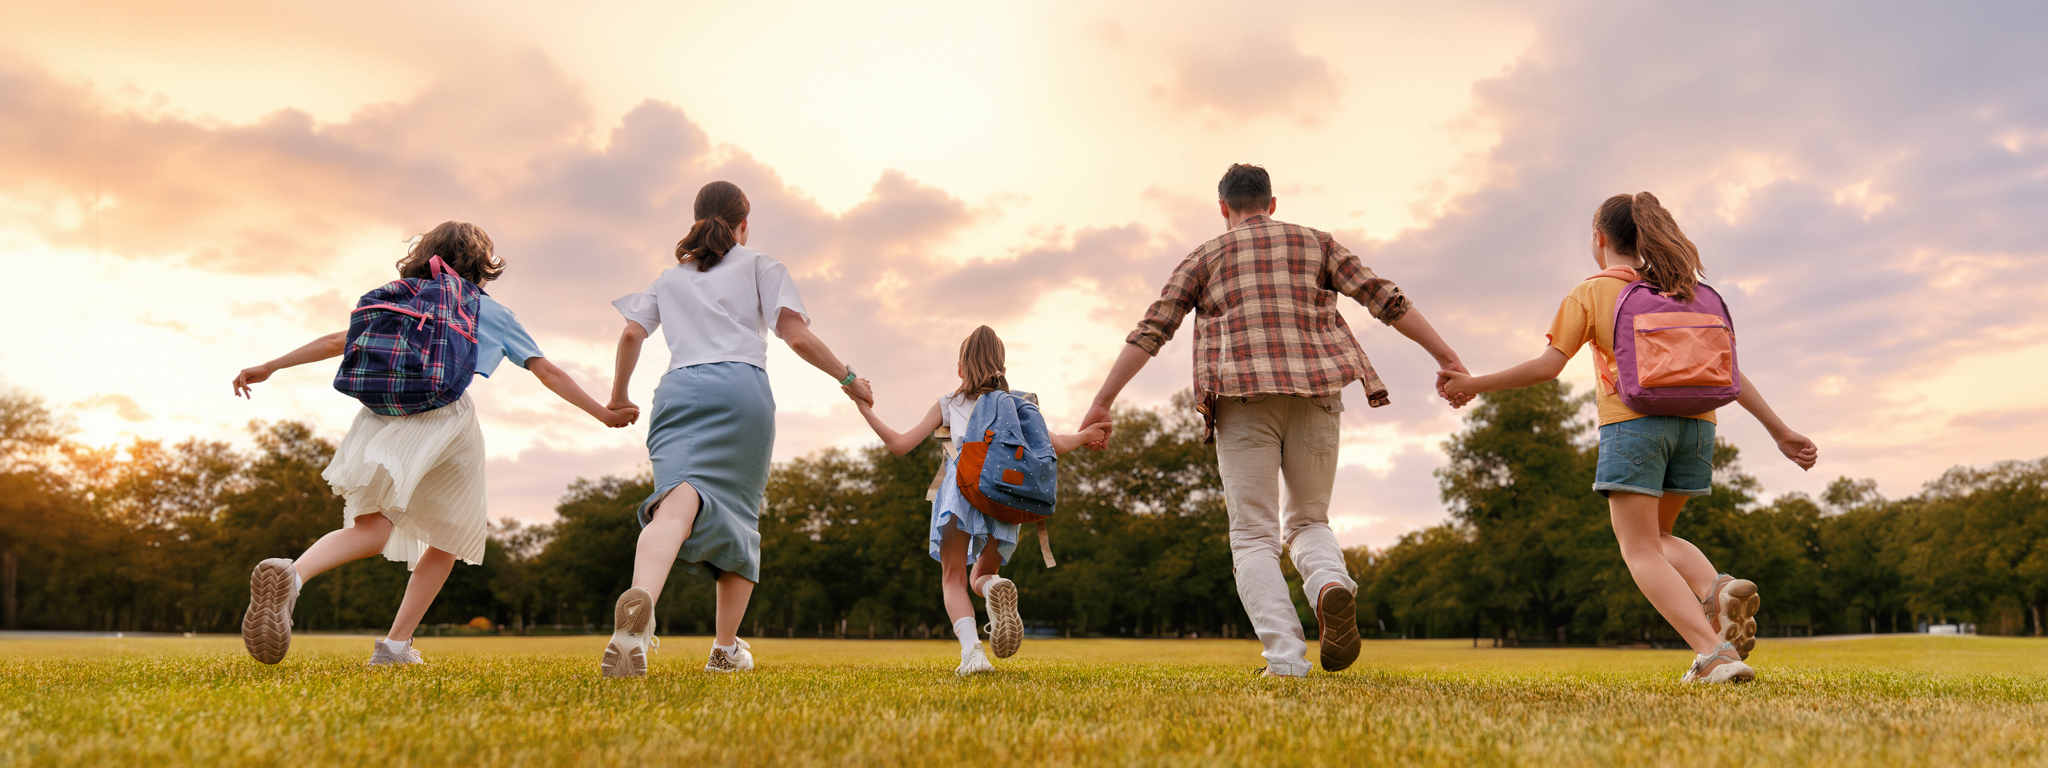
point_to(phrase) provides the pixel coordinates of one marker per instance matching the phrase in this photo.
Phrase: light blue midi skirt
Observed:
(714, 428)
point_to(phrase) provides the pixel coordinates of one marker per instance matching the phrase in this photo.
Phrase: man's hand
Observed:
(621, 417)
(1797, 447)
(1098, 415)
(1456, 386)
(248, 376)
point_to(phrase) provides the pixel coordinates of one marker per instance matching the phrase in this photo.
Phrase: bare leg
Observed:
(1691, 563)
(663, 538)
(1636, 528)
(733, 592)
(427, 577)
(985, 566)
(366, 538)
(953, 573)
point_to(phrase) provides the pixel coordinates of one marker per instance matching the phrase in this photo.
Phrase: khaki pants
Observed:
(1261, 444)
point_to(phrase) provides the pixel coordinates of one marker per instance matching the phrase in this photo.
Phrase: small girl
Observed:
(414, 484)
(958, 529)
(1650, 465)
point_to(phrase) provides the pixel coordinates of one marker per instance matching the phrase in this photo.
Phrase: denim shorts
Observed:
(1656, 455)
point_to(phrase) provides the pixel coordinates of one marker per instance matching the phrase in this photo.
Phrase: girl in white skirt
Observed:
(961, 536)
(414, 485)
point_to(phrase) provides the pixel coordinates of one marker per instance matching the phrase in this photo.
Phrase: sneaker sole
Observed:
(266, 626)
(1007, 631)
(1739, 603)
(630, 616)
(1337, 620)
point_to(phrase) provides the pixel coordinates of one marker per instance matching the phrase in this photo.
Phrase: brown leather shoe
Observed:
(1337, 622)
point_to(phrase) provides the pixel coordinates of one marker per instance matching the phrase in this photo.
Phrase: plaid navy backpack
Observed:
(412, 344)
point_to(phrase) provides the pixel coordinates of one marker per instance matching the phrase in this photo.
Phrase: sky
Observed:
(194, 188)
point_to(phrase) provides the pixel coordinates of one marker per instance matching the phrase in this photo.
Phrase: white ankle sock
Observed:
(734, 648)
(969, 637)
(297, 583)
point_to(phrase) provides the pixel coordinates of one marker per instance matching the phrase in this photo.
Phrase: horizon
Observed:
(223, 179)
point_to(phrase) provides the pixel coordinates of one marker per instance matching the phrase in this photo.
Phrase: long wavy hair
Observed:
(1637, 225)
(721, 209)
(981, 363)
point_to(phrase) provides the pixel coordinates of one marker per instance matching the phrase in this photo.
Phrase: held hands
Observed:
(1096, 436)
(1097, 416)
(620, 413)
(861, 393)
(248, 376)
(1454, 384)
(1797, 447)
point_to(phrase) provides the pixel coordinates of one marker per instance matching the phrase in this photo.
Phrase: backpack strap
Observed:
(1604, 364)
(1045, 545)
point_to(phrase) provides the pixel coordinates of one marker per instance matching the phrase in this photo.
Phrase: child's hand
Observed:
(250, 376)
(1455, 387)
(860, 391)
(1799, 448)
(1096, 436)
(1098, 415)
(621, 417)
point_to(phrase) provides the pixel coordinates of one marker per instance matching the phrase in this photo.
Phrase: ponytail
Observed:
(1638, 225)
(721, 208)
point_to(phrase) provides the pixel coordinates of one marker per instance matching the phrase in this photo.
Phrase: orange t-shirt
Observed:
(1587, 315)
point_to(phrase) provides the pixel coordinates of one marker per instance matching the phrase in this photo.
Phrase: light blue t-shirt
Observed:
(499, 337)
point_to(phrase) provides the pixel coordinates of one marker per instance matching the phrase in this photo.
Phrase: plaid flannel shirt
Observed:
(1266, 321)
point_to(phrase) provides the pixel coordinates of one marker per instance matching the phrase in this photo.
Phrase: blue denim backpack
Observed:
(1010, 472)
(412, 344)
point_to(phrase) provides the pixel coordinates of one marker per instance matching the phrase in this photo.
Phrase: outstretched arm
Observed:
(1128, 364)
(328, 346)
(559, 382)
(1458, 385)
(899, 443)
(1797, 447)
(797, 334)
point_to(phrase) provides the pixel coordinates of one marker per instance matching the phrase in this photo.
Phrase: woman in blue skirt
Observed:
(713, 426)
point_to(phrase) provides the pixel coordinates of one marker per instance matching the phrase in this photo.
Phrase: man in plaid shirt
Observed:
(1271, 355)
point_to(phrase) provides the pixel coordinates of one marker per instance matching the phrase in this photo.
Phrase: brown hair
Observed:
(1637, 225)
(461, 245)
(721, 209)
(1246, 188)
(981, 363)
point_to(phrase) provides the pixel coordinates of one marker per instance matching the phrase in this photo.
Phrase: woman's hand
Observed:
(251, 375)
(621, 417)
(1797, 447)
(860, 392)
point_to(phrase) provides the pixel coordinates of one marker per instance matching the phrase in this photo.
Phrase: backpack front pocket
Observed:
(1684, 349)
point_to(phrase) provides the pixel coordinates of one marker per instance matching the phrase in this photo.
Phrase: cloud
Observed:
(1260, 75)
(122, 406)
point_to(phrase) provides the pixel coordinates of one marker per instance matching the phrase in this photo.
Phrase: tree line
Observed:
(156, 537)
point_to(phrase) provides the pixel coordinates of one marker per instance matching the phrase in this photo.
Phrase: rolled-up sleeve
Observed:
(1348, 276)
(1164, 317)
(640, 308)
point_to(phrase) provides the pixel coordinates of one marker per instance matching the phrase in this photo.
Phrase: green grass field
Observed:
(525, 701)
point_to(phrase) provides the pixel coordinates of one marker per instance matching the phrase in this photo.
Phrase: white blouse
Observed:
(723, 315)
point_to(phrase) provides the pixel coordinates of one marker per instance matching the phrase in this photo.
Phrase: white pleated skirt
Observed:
(424, 473)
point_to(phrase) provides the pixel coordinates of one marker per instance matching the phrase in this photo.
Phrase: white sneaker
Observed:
(390, 652)
(267, 625)
(1731, 606)
(632, 636)
(973, 662)
(1005, 627)
(739, 659)
(1724, 665)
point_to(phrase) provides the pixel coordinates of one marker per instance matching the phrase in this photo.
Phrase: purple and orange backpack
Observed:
(1672, 358)
(412, 343)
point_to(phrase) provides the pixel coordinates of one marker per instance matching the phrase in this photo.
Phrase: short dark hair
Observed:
(1245, 188)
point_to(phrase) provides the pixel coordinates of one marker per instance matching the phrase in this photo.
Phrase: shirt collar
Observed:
(1256, 218)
